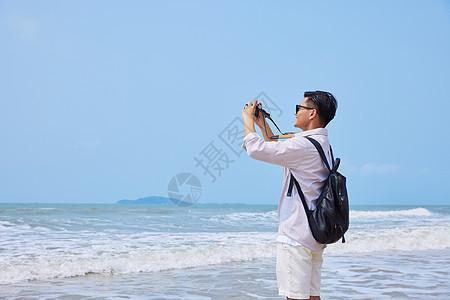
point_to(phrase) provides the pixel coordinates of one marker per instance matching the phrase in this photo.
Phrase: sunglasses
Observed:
(298, 106)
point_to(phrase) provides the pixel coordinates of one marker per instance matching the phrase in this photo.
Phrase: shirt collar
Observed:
(317, 131)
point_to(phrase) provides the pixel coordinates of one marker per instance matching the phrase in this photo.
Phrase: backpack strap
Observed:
(291, 185)
(322, 154)
(294, 181)
(300, 192)
(332, 156)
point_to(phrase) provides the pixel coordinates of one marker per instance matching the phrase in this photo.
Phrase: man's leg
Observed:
(294, 272)
(316, 275)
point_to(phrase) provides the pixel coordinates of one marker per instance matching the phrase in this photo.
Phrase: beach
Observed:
(211, 252)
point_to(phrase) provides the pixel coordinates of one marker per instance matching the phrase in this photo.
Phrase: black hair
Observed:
(325, 103)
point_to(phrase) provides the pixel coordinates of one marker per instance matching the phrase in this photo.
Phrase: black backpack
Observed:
(330, 220)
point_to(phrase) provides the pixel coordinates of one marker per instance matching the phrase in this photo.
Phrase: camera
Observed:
(259, 109)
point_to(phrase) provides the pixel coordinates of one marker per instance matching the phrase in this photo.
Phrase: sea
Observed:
(212, 251)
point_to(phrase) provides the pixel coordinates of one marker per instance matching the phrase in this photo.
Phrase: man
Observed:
(299, 256)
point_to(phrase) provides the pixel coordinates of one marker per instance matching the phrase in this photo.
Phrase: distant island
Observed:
(165, 200)
(147, 200)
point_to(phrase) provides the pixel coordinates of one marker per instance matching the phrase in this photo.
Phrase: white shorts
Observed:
(298, 271)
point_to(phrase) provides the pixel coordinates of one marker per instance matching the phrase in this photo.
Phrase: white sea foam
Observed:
(133, 255)
(414, 212)
(394, 239)
(143, 252)
(5, 224)
(8, 226)
(354, 214)
(250, 216)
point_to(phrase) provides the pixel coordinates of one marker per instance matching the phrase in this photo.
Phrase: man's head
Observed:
(316, 110)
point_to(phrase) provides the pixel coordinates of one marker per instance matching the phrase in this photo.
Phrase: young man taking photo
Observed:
(299, 255)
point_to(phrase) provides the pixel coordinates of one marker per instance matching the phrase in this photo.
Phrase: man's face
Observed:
(303, 115)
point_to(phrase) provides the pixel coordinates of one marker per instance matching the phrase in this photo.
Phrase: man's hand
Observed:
(265, 128)
(248, 114)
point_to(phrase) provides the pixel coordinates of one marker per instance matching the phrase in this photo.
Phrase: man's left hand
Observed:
(248, 113)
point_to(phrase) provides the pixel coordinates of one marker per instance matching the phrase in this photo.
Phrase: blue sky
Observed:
(109, 100)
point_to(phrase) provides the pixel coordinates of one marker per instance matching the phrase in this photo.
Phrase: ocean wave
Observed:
(6, 223)
(272, 216)
(419, 212)
(109, 258)
(107, 254)
(9, 226)
(394, 239)
(250, 216)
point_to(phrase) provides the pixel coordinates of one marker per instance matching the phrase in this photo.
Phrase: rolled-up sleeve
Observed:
(286, 153)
